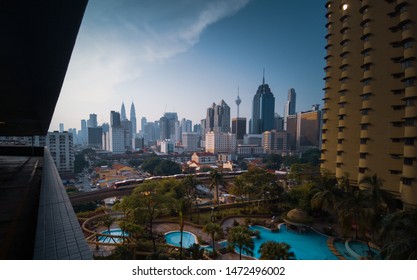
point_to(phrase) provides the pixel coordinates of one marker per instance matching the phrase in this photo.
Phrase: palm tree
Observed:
(238, 187)
(216, 178)
(107, 221)
(212, 229)
(272, 250)
(398, 236)
(240, 237)
(181, 207)
(196, 252)
(328, 195)
(380, 198)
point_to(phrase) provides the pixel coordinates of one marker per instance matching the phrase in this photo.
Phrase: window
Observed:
(409, 82)
(344, 68)
(339, 153)
(366, 82)
(362, 169)
(366, 67)
(366, 96)
(366, 37)
(340, 129)
(407, 181)
(408, 44)
(339, 141)
(410, 102)
(362, 155)
(343, 80)
(365, 112)
(339, 164)
(407, 63)
(366, 52)
(341, 117)
(408, 161)
(410, 122)
(364, 126)
(364, 141)
(409, 141)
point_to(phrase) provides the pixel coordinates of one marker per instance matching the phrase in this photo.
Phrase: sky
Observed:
(183, 55)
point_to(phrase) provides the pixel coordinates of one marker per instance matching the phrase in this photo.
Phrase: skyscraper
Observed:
(123, 112)
(133, 120)
(289, 108)
(218, 118)
(369, 114)
(263, 109)
(116, 134)
(92, 121)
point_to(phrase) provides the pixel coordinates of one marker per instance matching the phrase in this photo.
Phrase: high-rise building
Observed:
(92, 121)
(239, 128)
(84, 133)
(219, 142)
(276, 142)
(369, 115)
(289, 108)
(167, 125)
(217, 118)
(95, 137)
(61, 147)
(190, 141)
(123, 112)
(263, 109)
(133, 120)
(61, 127)
(116, 141)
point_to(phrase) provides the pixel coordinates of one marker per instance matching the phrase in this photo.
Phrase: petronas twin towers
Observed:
(132, 116)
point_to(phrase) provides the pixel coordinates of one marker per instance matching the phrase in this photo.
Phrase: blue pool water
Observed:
(307, 246)
(174, 238)
(116, 232)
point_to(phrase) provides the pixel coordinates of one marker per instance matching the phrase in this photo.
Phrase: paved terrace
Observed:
(36, 217)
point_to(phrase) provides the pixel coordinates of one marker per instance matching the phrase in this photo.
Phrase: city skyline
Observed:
(166, 57)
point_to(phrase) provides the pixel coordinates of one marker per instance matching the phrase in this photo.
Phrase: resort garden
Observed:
(266, 220)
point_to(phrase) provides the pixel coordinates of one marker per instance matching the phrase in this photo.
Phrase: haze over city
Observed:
(181, 56)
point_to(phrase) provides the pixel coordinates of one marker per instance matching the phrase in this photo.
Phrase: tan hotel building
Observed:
(370, 95)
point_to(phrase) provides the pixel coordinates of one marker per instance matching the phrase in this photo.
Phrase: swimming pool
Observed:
(115, 232)
(307, 246)
(174, 238)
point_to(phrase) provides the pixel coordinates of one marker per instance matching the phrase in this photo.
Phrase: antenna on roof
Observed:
(263, 78)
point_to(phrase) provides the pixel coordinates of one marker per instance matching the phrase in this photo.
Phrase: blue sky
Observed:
(183, 55)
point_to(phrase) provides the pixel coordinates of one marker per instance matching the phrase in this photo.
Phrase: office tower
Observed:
(279, 123)
(61, 127)
(143, 122)
(186, 125)
(92, 121)
(219, 142)
(61, 147)
(167, 125)
(369, 114)
(239, 128)
(263, 109)
(95, 137)
(167, 146)
(116, 139)
(115, 119)
(84, 133)
(127, 125)
(123, 112)
(218, 118)
(276, 142)
(133, 120)
(190, 141)
(289, 108)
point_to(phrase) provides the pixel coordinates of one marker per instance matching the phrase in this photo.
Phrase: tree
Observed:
(190, 182)
(328, 193)
(273, 161)
(240, 237)
(398, 236)
(107, 221)
(212, 229)
(150, 164)
(311, 157)
(195, 252)
(149, 203)
(238, 188)
(272, 250)
(216, 179)
(167, 167)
